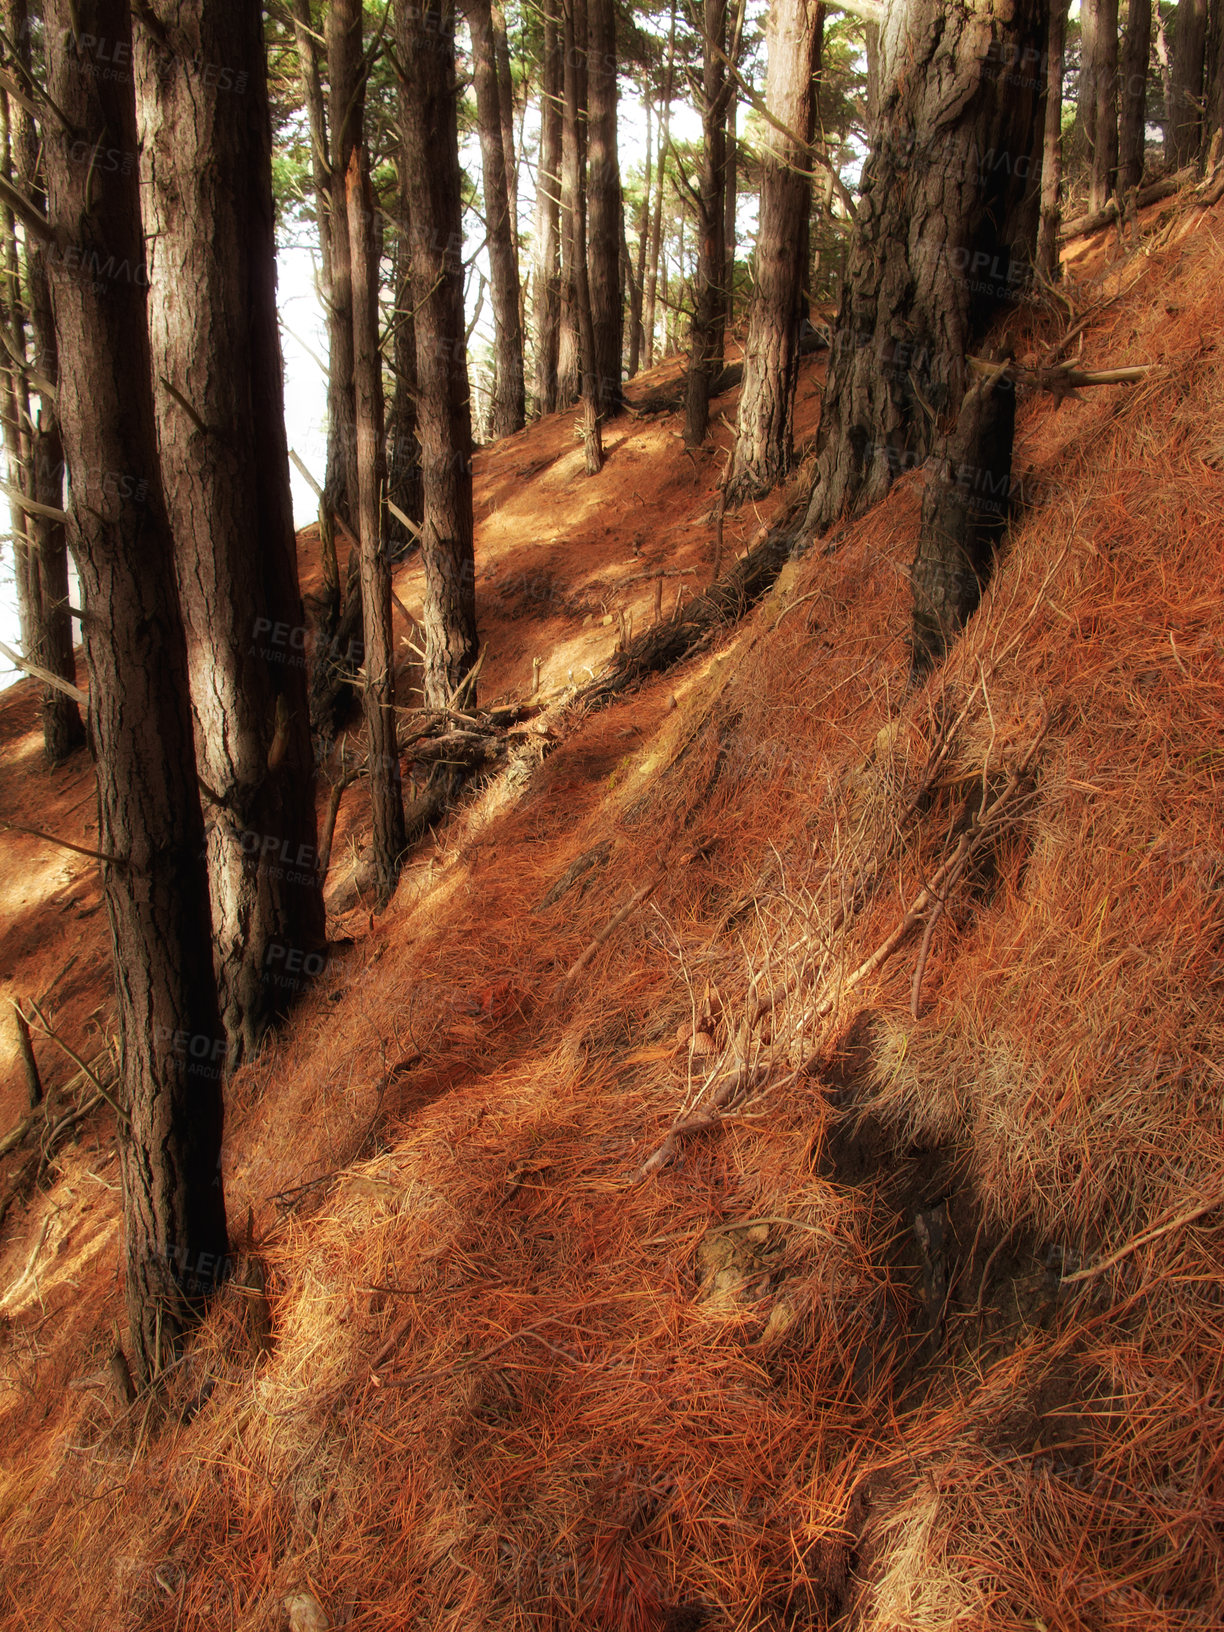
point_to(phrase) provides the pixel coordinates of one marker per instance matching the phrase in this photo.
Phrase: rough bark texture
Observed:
(403, 449)
(172, 1046)
(546, 282)
(378, 695)
(508, 411)
(575, 186)
(505, 98)
(1052, 145)
(943, 241)
(346, 107)
(1185, 127)
(63, 728)
(573, 144)
(207, 174)
(426, 52)
(604, 212)
(764, 437)
(1132, 93)
(709, 312)
(1098, 102)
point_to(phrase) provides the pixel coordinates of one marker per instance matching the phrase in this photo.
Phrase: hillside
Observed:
(764, 1168)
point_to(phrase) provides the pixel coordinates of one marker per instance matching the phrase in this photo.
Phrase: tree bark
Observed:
(575, 184)
(1185, 130)
(403, 449)
(1052, 144)
(429, 121)
(207, 174)
(1098, 102)
(604, 206)
(508, 410)
(709, 313)
(346, 109)
(638, 274)
(378, 695)
(656, 232)
(573, 168)
(546, 308)
(1132, 94)
(764, 437)
(505, 97)
(172, 1046)
(942, 243)
(63, 728)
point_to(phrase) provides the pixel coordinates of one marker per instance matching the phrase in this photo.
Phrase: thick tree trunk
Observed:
(1132, 93)
(172, 1047)
(426, 52)
(1098, 101)
(346, 110)
(943, 241)
(378, 695)
(1185, 130)
(546, 308)
(604, 206)
(508, 411)
(1052, 143)
(709, 314)
(63, 728)
(207, 173)
(575, 180)
(764, 437)
(573, 144)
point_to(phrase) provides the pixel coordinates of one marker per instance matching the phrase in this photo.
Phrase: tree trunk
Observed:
(1099, 96)
(429, 121)
(604, 206)
(218, 388)
(730, 193)
(63, 728)
(764, 437)
(942, 243)
(508, 410)
(1186, 82)
(15, 413)
(378, 695)
(573, 144)
(638, 274)
(1052, 144)
(709, 314)
(1132, 94)
(403, 449)
(546, 310)
(505, 98)
(656, 231)
(575, 163)
(172, 1047)
(346, 110)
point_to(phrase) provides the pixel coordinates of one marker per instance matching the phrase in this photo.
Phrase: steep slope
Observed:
(831, 1233)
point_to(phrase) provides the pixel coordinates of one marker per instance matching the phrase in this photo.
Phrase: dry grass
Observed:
(516, 1386)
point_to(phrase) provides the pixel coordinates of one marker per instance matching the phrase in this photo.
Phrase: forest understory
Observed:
(764, 1169)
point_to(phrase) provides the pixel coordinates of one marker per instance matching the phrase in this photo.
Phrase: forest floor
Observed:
(924, 1327)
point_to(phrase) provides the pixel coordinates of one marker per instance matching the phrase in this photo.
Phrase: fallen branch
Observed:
(1144, 1240)
(1094, 220)
(613, 924)
(45, 675)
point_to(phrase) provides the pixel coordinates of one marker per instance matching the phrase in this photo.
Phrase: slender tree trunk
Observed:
(605, 215)
(207, 172)
(403, 449)
(16, 410)
(1186, 82)
(505, 97)
(346, 110)
(575, 161)
(1052, 144)
(709, 313)
(573, 168)
(730, 193)
(1099, 96)
(1132, 94)
(63, 729)
(429, 121)
(638, 285)
(378, 695)
(941, 248)
(172, 1046)
(508, 411)
(656, 231)
(631, 283)
(546, 309)
(764, 438)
